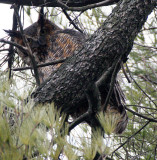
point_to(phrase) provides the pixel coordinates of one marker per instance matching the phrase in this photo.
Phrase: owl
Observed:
(49, 42)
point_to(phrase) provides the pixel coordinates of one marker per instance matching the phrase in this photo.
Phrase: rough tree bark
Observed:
(56, 3)
(112, 42)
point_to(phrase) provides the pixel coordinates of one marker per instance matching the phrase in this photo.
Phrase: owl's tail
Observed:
(116, 118)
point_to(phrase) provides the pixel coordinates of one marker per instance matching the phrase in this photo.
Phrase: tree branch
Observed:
(125, 74)
(114, 39)
(79, 120)
(94, 105)
(65, 3)
(140, 115)
(147, 78)
(131, 137)
(71, 21)
(23, 49)
(29, 51)
(41, 65)
(142, 107)
(113, 78)
(140, 87)
(84, 8)
(11, 47)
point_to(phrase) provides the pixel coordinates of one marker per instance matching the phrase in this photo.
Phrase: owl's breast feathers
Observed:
(59, 44)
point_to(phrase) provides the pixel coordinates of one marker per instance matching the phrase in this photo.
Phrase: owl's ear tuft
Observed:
(14, 34)
(41, 18)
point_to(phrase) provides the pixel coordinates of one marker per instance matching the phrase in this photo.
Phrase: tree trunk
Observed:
(112, 42)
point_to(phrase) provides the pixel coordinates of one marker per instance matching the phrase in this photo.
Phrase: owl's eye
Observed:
(42, 31)
(42, 40)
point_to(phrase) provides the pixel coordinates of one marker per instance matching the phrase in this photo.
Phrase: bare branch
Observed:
(125, 74)
(71, 21)
(112, 83)
(145, 46)
(84, 8)
(41, 65)
(70, 5)
(29, 51)
(140, 87)
(131, 136)
(142, 107)
(146, 78)
(140, 115)
(11, 47)
(23, 49)
(147, 29)
(78, 120)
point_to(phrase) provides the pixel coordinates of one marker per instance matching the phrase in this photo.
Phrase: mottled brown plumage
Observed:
(48, 42)
(54, 43)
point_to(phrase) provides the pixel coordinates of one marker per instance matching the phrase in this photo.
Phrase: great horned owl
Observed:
(48, 42)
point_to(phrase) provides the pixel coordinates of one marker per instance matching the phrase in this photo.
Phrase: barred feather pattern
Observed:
(62, 45)
(55, 43)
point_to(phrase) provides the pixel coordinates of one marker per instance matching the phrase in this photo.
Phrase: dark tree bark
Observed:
(55, 3)
(112, 42)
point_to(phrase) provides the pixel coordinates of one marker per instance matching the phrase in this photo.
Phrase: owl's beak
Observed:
(14, 34)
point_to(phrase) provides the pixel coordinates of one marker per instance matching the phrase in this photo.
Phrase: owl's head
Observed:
(36, 33)
(38, 36)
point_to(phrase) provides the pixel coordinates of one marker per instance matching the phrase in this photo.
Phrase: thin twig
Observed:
(71, 21)
(140, 115)
(147, 29)
(105, 75)
(78, 120)
(131, 136)
(125, 74)
(23, 49)
(29, 51)
(2, 50)
(142, 107)
(145, 46)
(146, 78)
(140, 87)
(112, 83)
(11, 47)
(90, 6)
(41, 65)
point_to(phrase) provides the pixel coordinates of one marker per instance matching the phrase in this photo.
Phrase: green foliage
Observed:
(108, 121)
(141, 94)
(28, 11)
(24, 129)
